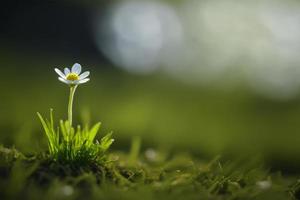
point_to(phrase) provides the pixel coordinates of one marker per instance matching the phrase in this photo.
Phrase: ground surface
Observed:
(151, 175)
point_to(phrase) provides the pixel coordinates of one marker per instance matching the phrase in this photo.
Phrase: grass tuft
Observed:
(77, 147)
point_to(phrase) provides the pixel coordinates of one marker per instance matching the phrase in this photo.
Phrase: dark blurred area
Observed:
(223, 79)
(50, 26)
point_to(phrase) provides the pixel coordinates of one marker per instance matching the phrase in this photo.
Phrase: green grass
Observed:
(152, 175)
(76, 147)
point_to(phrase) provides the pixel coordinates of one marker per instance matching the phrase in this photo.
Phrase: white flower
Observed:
(73, 76)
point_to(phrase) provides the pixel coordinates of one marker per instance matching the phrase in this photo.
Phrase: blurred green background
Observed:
(205, 77)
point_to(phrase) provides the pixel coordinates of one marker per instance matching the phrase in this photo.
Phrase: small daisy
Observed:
(73, 77)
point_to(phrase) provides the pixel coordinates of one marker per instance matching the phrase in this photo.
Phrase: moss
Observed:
(179, 177)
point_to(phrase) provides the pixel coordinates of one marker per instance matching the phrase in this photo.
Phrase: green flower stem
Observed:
(70, 106)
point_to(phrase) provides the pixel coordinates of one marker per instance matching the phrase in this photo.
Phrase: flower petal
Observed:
(83, 81)
(60, 73)
(84, 75)
(63, 80)
(76, 68)
(67, 71)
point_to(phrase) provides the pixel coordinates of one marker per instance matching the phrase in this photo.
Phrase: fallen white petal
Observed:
(59, 73)
(67, 190)
(264, 184)
(76, 68)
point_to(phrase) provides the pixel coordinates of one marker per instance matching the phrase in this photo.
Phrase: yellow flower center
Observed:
(72, 77)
